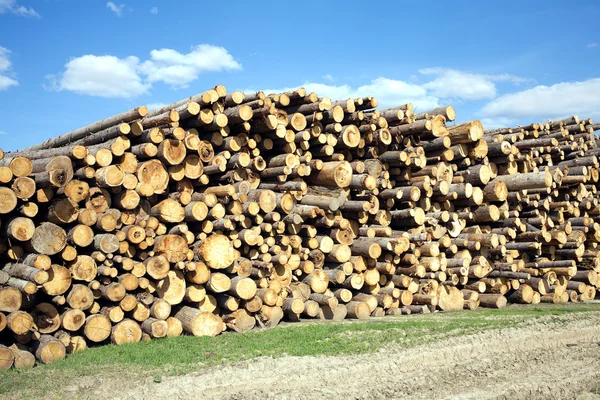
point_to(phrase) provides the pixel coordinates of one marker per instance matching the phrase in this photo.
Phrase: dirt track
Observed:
(552, 358)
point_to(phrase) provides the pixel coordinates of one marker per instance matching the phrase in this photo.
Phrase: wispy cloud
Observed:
(454, 84)
(2, 133)
(548, 102)
(592, 45)
(329, 77)
(6, 80)
(154, 10)
(117, 9)
(11, 6)
(180, 69)
(114, 77)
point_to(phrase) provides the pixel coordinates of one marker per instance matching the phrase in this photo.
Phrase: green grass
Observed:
(174, 356)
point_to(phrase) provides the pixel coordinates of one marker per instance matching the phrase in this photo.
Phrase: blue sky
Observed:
(67, 63)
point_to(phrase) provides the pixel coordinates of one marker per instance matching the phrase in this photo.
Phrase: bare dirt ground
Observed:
(549, 359)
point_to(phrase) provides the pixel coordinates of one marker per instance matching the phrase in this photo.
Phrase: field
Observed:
(543, 351)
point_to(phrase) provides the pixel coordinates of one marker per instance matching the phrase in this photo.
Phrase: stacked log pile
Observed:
(229, 211)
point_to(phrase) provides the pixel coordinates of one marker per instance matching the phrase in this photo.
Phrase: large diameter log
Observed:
(217, 252)
(173, 247)
(172, 287)
(270, 316)
(80, 297)
(20, 322)
(49, 349)
(48, 239)
(20, 228)
(20, 166)
(126, 331)
(450, 298)
(171, 151)
(199, 323)
(154, 176)
(80, 235)
(59, 280)
(83, 268)
(72, 319)
(97, 328)
(10, 299)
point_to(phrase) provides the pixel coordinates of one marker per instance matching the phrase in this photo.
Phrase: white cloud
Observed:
(110, 76)
(5, 68)
(6, 82)
(4, 61)
(154, 10)
(155, 106)
(103, 76)
(592, 45)
(2, 133)
(548, 102)
(11, 6)
(451, 83)
(177, 69)
(329, 77)
(117, 9)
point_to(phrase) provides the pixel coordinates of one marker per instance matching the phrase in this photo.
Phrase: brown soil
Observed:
(549, 359)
